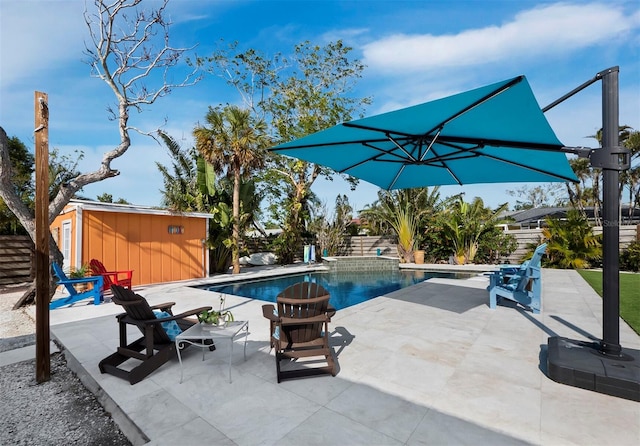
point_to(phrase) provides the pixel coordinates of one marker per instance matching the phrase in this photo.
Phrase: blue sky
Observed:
(415, 51)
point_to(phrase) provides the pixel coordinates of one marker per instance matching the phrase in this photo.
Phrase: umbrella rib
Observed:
(524, 166)
(444, 164)
(397, 144)
(398, 173)
(476, 103)
(374, 158)
(480, 142)
(431, 143)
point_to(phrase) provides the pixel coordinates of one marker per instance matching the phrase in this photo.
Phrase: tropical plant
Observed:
(405, 226)
(418, 207)
(494, 246)
(181, 191)
(571, 242)
(214, 317)
(465, 223)
(233, 142)
(631, 177)
(580, 193)
(330, 230)
(630, 257)
(424, 204)
(436, 246)
(80, 271)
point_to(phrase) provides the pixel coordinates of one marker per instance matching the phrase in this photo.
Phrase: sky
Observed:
(414, 51)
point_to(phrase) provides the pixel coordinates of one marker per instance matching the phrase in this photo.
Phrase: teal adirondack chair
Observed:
(94, 293)
(521, 284)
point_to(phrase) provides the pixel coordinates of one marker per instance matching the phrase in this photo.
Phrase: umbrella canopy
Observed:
(493, 134)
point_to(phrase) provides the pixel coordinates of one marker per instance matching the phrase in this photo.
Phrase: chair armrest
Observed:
(116, 273)
(330, 312)
(267, 311)
(165, 319)
(185, 314)
(164, 306)
(80, 280)
(307, 320)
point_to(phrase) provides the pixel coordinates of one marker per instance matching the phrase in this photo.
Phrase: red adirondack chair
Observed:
(122, 278)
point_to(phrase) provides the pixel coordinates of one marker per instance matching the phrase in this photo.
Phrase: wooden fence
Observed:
(369, 245)
(16, 259)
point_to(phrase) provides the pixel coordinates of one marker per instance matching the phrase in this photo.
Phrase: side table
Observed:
(200, 332)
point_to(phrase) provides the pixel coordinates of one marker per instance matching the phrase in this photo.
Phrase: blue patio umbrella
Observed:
(493, 134)
(496, 134)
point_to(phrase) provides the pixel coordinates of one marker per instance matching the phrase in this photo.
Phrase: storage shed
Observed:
(158, 245)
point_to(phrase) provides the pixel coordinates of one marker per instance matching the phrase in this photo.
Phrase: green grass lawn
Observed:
(629, 294)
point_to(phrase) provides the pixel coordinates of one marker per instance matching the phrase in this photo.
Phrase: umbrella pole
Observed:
(603, 366)
(610, 344)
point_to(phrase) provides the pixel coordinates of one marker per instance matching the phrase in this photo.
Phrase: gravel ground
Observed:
(60, 411)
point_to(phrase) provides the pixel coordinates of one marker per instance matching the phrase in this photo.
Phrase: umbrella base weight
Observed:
(581, 364)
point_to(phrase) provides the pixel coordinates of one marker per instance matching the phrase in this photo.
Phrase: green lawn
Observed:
(629, 294)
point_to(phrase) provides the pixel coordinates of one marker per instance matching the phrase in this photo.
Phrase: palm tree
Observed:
(624, 133)
(631, 177)
(578, 197)
(233, 142)
(180, 192)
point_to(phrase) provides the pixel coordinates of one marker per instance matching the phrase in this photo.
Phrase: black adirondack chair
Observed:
(300, 331)
(155, 347)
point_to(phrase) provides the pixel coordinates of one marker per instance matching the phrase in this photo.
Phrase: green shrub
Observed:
(494, 246)
(571, 243)
(630, 257)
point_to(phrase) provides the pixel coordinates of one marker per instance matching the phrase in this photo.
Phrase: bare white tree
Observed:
(129, 50)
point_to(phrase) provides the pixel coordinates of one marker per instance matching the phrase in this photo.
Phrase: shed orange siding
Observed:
(143, 243)
(137, 241)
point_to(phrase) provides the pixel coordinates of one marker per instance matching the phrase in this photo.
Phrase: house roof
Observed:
(129, 209)
(529, 215)
(534, 215)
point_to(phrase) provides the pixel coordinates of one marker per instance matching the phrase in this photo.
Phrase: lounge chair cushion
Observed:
(171, 327)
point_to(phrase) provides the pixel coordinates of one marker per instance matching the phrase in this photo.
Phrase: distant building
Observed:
(535, 218)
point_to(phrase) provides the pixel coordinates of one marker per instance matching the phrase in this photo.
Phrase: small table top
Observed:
(202, 331)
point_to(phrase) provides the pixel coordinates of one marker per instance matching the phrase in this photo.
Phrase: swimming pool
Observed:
(346, 288)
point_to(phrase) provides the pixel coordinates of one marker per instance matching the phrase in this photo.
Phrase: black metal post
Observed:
(611, 210)
(603, 366)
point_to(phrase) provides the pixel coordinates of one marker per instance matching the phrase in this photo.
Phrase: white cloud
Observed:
(547, 30)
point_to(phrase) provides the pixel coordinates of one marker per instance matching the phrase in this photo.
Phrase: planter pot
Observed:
(418, 257)
(81, 287)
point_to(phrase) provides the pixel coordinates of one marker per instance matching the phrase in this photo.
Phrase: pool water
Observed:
(346, 288)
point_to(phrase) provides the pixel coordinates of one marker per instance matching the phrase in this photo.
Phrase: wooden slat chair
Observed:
(299, 328)
(522, 285)
(122, 278)
(155, 347)
(94, 292)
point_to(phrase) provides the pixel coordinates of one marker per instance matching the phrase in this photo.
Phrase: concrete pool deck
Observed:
(428, 364)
